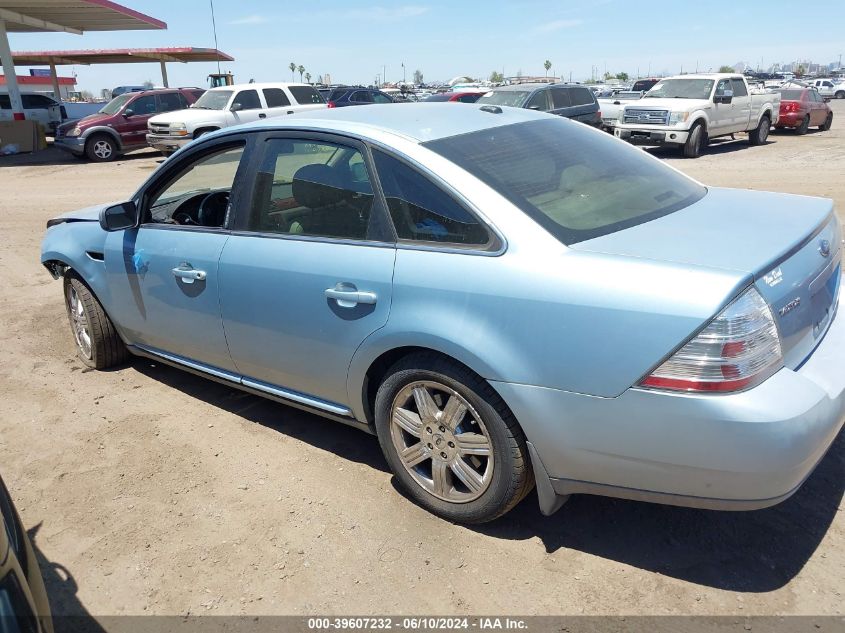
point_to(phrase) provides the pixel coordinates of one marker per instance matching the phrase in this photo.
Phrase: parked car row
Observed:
(37, 107)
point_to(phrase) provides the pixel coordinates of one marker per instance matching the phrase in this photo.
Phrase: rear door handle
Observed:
(262, 116)
(290, 111)
(189, 275)
(350, 298)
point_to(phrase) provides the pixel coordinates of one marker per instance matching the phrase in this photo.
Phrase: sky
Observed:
(354, 40)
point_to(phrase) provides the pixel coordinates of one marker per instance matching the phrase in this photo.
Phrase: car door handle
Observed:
(350, 298)
(189, 275)
(262, 116)
(290, 111)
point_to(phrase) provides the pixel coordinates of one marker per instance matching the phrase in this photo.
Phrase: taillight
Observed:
(737, 350)
(331, 104)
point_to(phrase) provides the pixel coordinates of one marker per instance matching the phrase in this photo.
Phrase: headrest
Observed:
(316, 186)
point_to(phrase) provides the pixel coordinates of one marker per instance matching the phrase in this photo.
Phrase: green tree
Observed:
(301, 71)
(607, 76)
(308, 77)
(418, 76)
(622, 76)
(547, 65)
(292, 67)
(496, 77)
(799, 72)
(726, 69)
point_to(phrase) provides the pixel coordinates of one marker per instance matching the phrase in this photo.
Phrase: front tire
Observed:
(451, 441)
(805, 125)
(695, 141)
(840, 94)
(758, 135)
(97, 342)
(101, 148)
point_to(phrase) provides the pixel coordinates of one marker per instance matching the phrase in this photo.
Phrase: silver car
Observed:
(504, 297)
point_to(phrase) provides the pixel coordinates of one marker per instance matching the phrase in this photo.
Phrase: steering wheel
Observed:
(183, 217)
(212, 209)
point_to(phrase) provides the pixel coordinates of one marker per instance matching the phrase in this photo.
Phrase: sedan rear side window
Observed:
(305, 188)
(574, 181)
(422, 211)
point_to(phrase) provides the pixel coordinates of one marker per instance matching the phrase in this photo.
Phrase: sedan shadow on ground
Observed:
(62, 588)
(755, 551)
(55, 156)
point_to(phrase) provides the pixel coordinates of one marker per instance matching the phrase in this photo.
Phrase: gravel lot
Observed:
(149, 490)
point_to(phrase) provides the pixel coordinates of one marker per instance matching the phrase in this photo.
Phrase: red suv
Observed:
(121, 125)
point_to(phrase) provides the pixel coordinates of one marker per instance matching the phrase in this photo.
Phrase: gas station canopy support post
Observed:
(164, 74)
(9, 72)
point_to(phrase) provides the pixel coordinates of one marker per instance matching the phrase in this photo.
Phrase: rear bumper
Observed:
(734, 452)
(644, 136)
(165, 143)
(790, 119)
(72, 144)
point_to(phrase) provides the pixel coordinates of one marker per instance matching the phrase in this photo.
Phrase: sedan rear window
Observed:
(791, 95)
(574, 181)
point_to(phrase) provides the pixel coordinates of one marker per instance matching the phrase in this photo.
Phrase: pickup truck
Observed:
(687, 110)
(230, 105)
(612, 106)
(829, 87)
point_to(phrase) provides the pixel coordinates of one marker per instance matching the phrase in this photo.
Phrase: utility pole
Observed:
(383, 75)
(403, 73)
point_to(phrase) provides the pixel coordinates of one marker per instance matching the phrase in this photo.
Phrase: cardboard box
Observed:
(24, 134)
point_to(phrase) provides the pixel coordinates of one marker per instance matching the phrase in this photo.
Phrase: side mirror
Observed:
(236, 106)
(128, 112)
(119, 217)
(826, 99)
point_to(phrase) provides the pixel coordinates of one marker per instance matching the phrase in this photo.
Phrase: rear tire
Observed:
(452, 443)
(97, 342)
(805, 125)
(824, 127)
(101, 148)
(695, 141)
(840, 94)
(758, 135)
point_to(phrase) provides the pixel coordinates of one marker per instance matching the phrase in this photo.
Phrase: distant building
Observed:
(41, 84)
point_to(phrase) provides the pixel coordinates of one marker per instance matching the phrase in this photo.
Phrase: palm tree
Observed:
(308, 77)
(301, 70)
(547, 65)
(292, 67)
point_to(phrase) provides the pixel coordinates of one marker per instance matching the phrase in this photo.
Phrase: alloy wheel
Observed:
(441, 441)
(102, 149)
(79, 322)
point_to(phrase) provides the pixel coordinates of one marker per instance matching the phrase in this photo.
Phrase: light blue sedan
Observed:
(503, 297)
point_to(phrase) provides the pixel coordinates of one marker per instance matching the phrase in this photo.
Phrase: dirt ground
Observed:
(149, 490)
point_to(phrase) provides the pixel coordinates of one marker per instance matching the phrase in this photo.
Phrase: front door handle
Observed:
(187, 274)
(290, 111)
(262, 116)
(349, 298)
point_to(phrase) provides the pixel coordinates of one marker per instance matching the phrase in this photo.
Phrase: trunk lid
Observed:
(789, 245)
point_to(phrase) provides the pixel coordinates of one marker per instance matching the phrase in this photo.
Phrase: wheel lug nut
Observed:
(442, 429)
(451, 445)
(443, 455)
(428, 429)
(429, 445)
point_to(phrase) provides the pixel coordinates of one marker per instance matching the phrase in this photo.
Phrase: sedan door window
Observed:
(199, 194)
(311, 188)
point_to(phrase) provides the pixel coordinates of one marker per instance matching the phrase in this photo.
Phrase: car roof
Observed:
(271, 84)
(418, 121)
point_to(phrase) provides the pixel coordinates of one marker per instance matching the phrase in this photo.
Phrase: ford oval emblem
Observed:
(824, 248)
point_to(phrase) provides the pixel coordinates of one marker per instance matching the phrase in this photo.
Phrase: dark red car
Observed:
(801, 108)
(462, 97)
(121, 125)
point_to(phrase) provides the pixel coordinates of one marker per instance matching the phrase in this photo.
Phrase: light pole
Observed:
(403, 73)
